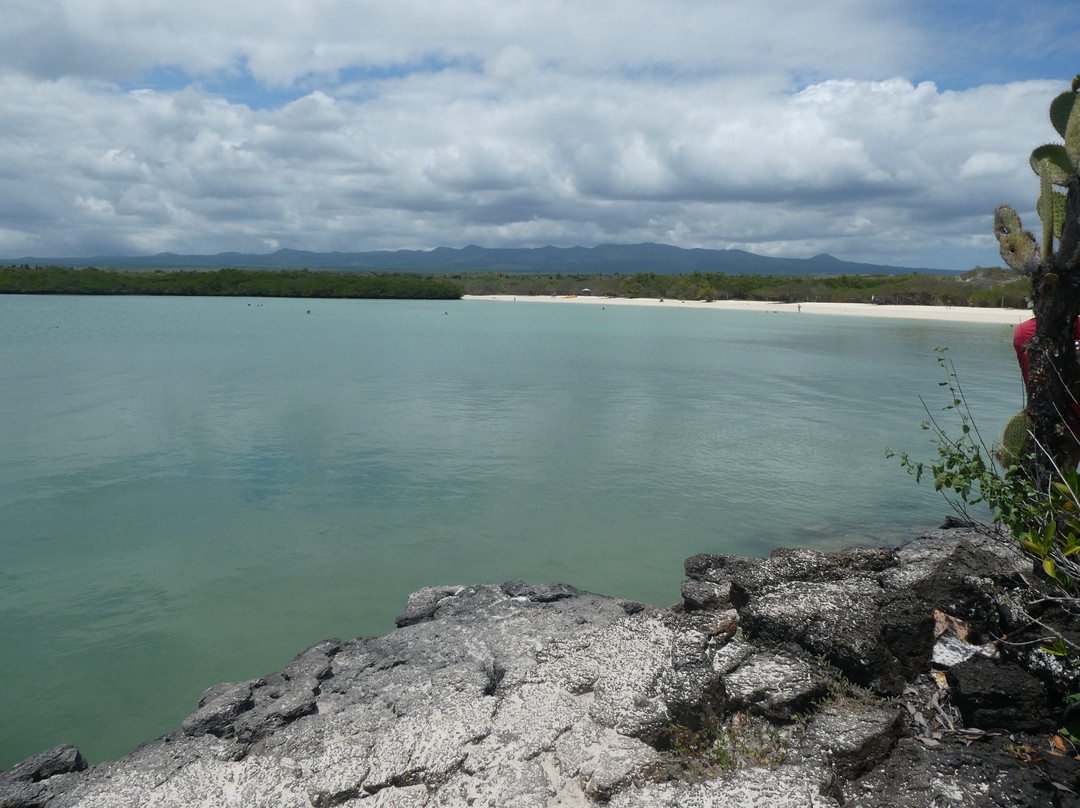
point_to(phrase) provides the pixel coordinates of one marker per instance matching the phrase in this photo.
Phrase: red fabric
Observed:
(1023, 333)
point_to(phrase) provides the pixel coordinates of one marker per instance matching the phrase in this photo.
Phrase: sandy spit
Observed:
(952, 314)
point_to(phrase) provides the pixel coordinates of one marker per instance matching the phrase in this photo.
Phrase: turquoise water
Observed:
(194, 490)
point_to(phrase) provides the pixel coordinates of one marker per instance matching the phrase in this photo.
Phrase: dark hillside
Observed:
(606, 259)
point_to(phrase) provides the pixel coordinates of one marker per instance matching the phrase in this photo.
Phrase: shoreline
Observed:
(324, 728)
(952, 314)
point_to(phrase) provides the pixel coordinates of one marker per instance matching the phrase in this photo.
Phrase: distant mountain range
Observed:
(605, 259)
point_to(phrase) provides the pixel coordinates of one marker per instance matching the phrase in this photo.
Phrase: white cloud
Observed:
(280, 41)
(780, 128)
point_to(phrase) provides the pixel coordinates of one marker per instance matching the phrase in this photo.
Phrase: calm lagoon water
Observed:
(193, 490)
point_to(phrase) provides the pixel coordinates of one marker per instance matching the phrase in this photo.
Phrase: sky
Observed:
(882, 131)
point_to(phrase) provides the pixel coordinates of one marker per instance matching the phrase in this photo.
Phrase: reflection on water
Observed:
(193, 490)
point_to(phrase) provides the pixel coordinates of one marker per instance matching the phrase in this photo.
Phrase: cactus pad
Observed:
(1065, 116)
(1053, 162)
(1061, 109)
(1017, 246)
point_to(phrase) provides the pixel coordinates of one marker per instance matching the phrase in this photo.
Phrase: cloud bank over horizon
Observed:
(880, 132)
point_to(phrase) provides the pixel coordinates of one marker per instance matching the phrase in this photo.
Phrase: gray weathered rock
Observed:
(775, 685)
(785, 787)
(30, 783)
(544, 695)
(852, 738)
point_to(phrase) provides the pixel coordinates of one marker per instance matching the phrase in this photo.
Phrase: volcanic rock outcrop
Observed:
(870, 677)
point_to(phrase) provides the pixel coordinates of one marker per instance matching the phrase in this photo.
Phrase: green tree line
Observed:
(24, 279)
(980, 287)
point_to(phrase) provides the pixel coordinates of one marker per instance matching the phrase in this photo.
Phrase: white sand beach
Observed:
(957, 314)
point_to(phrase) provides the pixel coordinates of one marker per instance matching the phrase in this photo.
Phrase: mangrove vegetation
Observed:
(993, 287)
(40, 280)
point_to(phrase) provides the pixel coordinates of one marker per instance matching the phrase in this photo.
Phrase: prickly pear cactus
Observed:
(1053, 263)
(1066, 120)
(1055, 163)
(1052, 165)
(1014, 440)
(1017, 246)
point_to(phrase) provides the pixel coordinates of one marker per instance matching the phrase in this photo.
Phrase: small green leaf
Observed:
(1032, 547)
(1058, 648)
